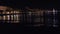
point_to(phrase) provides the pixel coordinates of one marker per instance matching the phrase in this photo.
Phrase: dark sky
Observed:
(32, 4)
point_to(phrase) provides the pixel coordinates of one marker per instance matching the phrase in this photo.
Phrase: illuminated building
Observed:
(29, 16)
(45, 17)
(9, 15)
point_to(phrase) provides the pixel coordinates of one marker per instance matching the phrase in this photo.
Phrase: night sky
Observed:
(33, 4)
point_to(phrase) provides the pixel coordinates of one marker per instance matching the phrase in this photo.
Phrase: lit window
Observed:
(12, 12)
(7, 12)
(10, 16)
(4, 17)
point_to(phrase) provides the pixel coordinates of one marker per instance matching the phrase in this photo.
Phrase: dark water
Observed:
(17, 28)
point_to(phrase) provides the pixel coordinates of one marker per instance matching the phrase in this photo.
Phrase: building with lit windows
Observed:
(9, 15)
(34, 17)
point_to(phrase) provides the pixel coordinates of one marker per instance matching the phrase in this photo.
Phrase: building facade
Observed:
(9, 15)
(34, 17)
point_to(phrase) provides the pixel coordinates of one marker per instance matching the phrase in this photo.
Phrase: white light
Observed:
(53, 11)
(8, 17)
(7, 12)
(11, 17)
(29, 13)
(4, 17)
